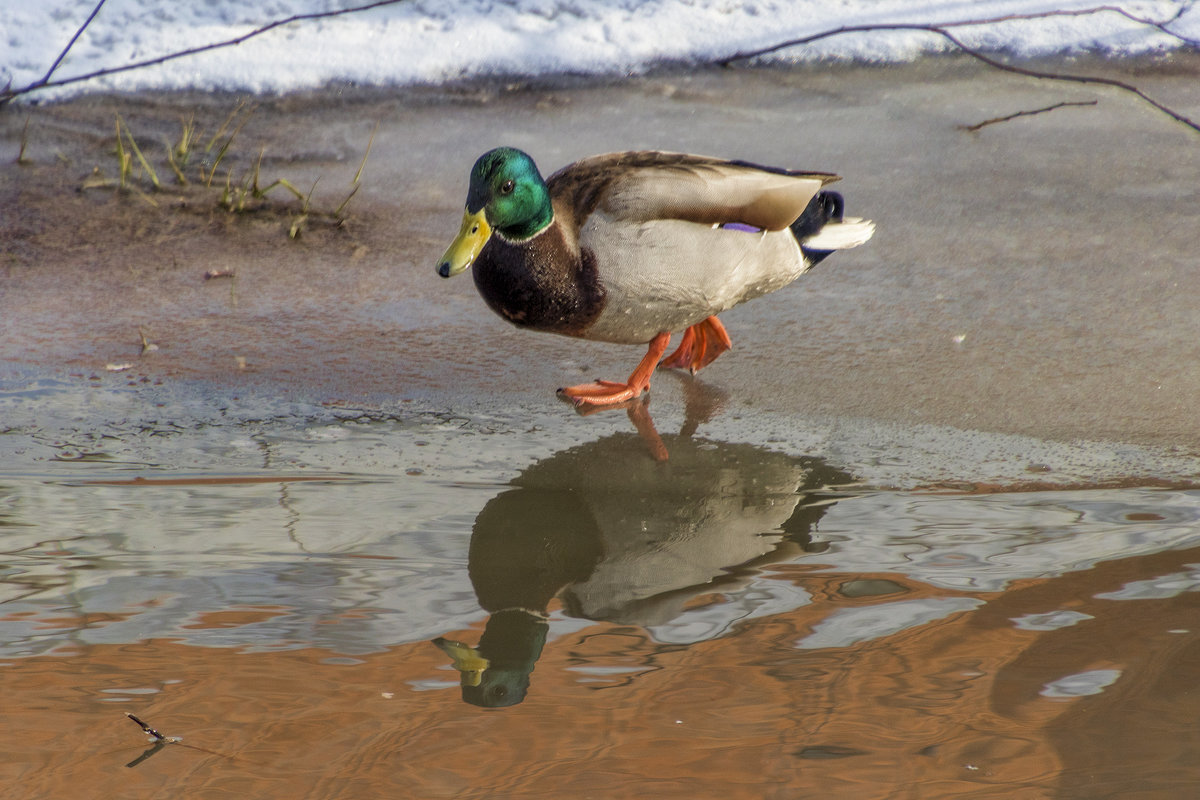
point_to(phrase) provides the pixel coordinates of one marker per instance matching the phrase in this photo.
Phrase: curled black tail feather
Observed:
(825, 207)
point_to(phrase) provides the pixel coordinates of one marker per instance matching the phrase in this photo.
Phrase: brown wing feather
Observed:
(642, 186)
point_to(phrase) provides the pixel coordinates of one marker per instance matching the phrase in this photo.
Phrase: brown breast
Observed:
(542, 283)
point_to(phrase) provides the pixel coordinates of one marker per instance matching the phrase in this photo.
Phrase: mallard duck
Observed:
(632, 247)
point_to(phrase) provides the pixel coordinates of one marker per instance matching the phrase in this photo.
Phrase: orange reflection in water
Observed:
(954, 708)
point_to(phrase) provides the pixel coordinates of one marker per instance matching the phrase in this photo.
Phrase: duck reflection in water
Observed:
(622, 537)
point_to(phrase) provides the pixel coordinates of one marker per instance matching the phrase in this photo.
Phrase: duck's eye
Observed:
(507, 187)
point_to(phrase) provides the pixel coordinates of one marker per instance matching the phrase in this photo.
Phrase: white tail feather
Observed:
(850, 232)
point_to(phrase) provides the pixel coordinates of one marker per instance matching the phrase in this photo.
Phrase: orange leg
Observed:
(639, 415)
(700, 346)
(682, 356)
(607, 393)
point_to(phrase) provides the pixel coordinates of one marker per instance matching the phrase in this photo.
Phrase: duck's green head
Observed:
(507, 197)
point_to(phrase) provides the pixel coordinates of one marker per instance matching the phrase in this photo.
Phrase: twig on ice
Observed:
(1007, 117)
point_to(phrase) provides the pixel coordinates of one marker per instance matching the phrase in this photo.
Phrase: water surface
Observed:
(363, 603)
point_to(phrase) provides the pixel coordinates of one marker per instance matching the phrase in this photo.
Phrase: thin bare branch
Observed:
(996, 120)
(939, 27)
(942, 29)
(46, 83)
(1086, 79)
(45, 78)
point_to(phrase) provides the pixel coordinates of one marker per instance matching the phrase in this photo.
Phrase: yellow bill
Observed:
(467, 660)
(466, 247)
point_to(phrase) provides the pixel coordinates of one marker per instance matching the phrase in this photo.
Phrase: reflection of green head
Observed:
(506, 184)
(527, 545)
(512, 643)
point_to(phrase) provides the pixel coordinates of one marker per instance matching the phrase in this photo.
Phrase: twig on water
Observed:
(158, 737)
(995, 120)
(161, 741)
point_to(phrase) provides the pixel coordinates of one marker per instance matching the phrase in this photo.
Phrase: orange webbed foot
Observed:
(700, 346)
(600, 393)
(609, 393)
